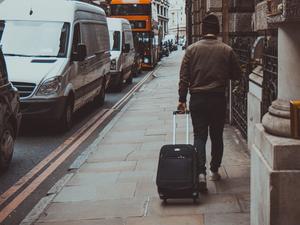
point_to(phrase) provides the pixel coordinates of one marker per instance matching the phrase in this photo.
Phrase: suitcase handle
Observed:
(175, 113)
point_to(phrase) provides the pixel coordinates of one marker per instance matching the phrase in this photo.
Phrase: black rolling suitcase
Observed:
(177, 168)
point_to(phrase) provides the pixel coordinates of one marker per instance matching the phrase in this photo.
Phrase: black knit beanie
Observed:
(211, 25)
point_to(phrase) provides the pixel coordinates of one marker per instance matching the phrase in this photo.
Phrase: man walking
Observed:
(206, 67)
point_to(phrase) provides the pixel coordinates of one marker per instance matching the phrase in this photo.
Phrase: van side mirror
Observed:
(126, 48)
(81, 53)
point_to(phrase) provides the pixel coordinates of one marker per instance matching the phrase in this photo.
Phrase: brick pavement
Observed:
(116, 185)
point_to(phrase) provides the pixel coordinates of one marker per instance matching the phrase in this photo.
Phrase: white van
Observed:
(122, 52)
(57, 55)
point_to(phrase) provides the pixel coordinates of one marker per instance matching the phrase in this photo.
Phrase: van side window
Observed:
(64, 36)
(2, 25)
(96, 38)
(129, 39)
(76, 38)
(102, 37)
(115, 41)
(123, 40)
(3, 75)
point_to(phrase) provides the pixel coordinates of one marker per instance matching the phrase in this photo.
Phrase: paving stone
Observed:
(147, 165)
(139, 124)
(153, 146)
(95, 193)
(139, 114)
(227, 219)
(124, 137)
(235, 185)
(93, 178)
(118, 154)
(142, 155)
(136, 176)
(210, 203)
(154, 138)
(116, 166)
(126, 126)
(167, 220)
(76, 194)
(238, 171)
(92, 210)
(146, 189)
(156, 131)
(114, 221)
(120, 147)
(244, 200)
(140, 109)
(235, 159)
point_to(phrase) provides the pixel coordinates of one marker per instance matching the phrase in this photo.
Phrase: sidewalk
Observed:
(116, 186)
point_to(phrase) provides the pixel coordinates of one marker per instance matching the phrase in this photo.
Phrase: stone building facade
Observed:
(162, 9)
(177, 18)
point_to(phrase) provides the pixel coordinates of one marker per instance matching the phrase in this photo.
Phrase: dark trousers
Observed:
(208, 111)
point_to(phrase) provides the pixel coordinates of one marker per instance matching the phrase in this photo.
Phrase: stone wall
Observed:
(260, 17)
(240, 22)
(214, 6)
(240, 16)
(284, 11)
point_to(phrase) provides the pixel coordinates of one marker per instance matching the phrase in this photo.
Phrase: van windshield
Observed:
(34, 39)
(115, 40)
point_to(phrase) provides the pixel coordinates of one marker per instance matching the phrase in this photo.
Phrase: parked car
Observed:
(184, 45)
(165, 50)
(10, 116)
(57, 56)
(137, 66)
(122, 52)
(175, 47)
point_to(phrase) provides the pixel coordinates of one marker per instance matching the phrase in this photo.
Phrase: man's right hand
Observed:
(181, 107)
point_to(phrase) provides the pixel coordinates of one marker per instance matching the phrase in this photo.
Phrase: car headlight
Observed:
(113, 64)
(50, 87)
(146, 60)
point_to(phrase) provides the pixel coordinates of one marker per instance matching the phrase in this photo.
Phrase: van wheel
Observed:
(7, 140)
(130, 78)
(100, 98)
(119, 85)
(66, 120)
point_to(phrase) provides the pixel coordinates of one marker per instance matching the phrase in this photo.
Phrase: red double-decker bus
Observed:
(144, 25)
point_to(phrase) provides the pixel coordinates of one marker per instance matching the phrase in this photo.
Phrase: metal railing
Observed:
(270, 73)
(242, 45)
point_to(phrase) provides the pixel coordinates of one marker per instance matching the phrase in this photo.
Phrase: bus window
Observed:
(115, 41)
(130, 9)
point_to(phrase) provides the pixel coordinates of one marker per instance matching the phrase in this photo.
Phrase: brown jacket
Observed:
(206, 67)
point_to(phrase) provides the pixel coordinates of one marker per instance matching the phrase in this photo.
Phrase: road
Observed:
(36, 141)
